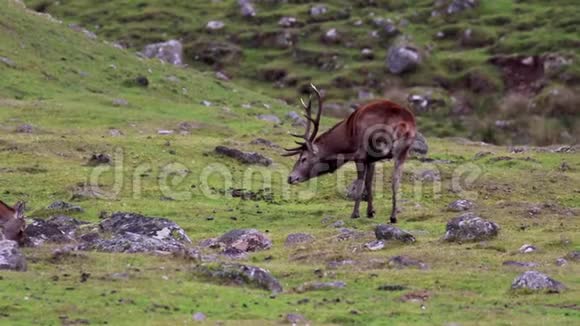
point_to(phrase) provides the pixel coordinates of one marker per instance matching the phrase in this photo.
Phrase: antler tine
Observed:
(316, 122)
(290, 154)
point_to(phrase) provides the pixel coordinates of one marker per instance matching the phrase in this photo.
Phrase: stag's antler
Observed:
(307, 136)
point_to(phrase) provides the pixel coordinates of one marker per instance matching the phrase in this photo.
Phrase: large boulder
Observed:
(244, 240)
(247, 8)
(129, 242)
(238, 274)
(536, 281)
(170, 51)
(154, 227)
(420, 145)
(10, 256)
(402, 58)
(470, 227)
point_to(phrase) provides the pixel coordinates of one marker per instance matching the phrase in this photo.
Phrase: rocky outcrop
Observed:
(10, 256)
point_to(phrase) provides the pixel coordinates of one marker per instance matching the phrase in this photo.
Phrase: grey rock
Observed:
(338, 224)
(129, 242)
(295, 319)
(170, 51)
(214, 25)
(536, 281)
(574, 256)
(10, 256)
(247, 8)
(367, 54)
(157, 228)
(561, 262)
(115, 133)
(222, 76)
(199, 316)
(58, 229)
(238, 274)
(519, 264)
(297, 119)
(298, 238)
(400, 262)
(8, 62)
(120, 102)
(244, 157)
(318, 286)
(470, 227)
(99, 159)
(401, 59)
(390, 232)
(25, 129)
(63, 206)
(457, 6)
(460, 205)
(349, 234)
(287, 22)
(318, 10)
(527, 248)
(331, 36)
(270, 118)
(427, 175)
(420, 145)
(375, 245)
(264, 142)
(245, 240)
(86, 32)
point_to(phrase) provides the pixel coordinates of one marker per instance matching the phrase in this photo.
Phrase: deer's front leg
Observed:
(358, 188)
(370, 174)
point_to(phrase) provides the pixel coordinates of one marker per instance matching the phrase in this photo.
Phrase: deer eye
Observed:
(302, 160)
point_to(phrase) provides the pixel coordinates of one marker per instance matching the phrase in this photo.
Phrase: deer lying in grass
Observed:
(12, 222)
(376, 131)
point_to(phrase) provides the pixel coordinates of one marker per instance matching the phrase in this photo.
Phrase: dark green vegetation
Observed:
(478, 94)
(65, 86)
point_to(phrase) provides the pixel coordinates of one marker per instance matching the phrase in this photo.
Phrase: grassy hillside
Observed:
(474, 95)
(73, 90)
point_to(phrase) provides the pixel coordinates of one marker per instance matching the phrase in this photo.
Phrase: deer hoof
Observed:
(393, 220)
(355, 215)
(371, 213)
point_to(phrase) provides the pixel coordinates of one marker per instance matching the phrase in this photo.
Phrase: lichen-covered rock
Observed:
(536, 281)
(58, 229)
(238, 274)
(62, 206)
(400, 262)
(170, 52)
(245, 240)
(10, 256)
(375, 245)
(244, 157)
(460, 205)
(298, 238)
(390, 232)
(470, 227)
(129, 242)
(154, 227)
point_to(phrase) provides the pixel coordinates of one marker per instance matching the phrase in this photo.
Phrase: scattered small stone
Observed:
(375, 245)
(247, 8)
(338, 224)
(25, 129)
(390, 232)
(86, 32)
(264, 142)
(318, 10)
(561, 262)
(295, 319)
(99, 159)
(63, 206)
(564, 166)
(416, 296)
(574, 256)
(214, 25)
(401, 59)
(120, 102)
(206, 103)
(115, 133)
(199, 316)
(420, 145)
(391, 287)
(170, 52)
(536, 281)
(165, 132)
(270, 118)
(142, 81)
(527, 248)
(483, 154)
(7, 62)
(428, 176)
(297, 119)
(287, 22)
(367, 54)
(222, 76)
(470, 227)
(519, 264)
(298, 238)
(318, 286)
(460, 205)
(400, 262)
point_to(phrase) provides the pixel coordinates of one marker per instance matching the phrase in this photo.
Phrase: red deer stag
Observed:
(12, 222)
(376, 131)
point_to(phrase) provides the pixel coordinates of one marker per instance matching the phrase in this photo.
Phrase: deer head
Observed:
(308, 163)
(12, 223)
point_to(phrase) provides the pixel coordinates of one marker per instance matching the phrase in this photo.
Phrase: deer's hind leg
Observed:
(358, 188)
(369, 178)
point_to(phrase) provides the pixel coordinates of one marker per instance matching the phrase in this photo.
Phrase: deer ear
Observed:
(19, 209)
(315, 149)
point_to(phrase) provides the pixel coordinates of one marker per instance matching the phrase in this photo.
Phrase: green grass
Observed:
(72, 115)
